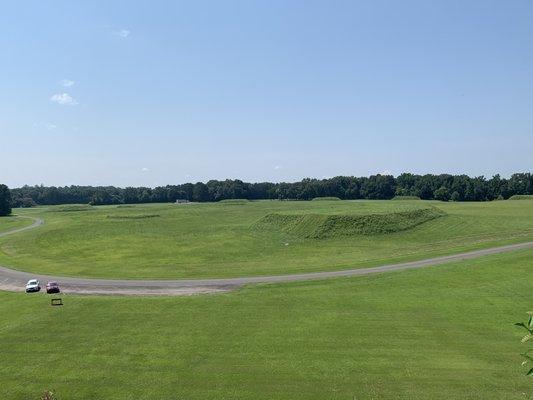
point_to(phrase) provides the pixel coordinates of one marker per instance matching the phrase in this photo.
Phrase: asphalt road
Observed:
(13, 280)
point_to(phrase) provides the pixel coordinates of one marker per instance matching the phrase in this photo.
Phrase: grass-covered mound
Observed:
(235, 202)
(326, 198)
(406, 198)
(72, 208)
(319, 226)
(521, 197)
(133, 216)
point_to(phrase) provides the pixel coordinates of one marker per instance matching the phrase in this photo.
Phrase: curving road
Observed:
(13, 280)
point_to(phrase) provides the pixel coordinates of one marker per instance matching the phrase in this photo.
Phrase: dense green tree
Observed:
(200, 192)
(442, 194)
(5, 200)
(455, 196)
(444, 186)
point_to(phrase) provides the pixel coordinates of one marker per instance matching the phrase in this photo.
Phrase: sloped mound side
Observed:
(321, 226)
(521, 197)
(71, 208)
(234, 202)
(326, 198)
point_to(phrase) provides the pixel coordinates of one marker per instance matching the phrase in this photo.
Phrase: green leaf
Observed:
(530, 372)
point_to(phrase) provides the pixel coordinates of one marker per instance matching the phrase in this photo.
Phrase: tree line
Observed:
(439, 187)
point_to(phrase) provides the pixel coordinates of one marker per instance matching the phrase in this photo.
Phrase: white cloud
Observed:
(63, 99)
(123, 33)
(278, 167)
(144, 169)
(46, 125)
(67, 83)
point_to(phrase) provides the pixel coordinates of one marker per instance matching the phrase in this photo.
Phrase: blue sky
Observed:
(154, 92)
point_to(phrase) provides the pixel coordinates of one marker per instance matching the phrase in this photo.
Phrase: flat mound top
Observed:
(350, 207)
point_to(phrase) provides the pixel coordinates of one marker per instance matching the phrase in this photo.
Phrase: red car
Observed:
(52, 287)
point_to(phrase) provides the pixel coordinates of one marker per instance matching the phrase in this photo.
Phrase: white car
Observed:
(33, 285)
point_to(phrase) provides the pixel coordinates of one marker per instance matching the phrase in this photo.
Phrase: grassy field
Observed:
(229, 239)
(444, 332)
(13, 222)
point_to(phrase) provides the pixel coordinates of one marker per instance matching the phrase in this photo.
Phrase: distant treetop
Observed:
(442, 187)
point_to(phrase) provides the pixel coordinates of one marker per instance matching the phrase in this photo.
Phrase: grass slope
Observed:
(439, 333)
(326, 198)
(218, 240)
(320, 226)
(521, 197)
(13, 222)
(406, 198)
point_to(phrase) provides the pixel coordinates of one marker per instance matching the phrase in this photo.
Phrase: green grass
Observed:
(13, 222)
(320, 226)
(71, 208)
(326, 198)
(234, 201)
(221, 240)
(443, 332)
(521, 197)
(406, 198)
(133, 216)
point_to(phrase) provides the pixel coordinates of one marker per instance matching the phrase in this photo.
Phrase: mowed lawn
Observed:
(223, 240)
(13, 222)
(442, 332)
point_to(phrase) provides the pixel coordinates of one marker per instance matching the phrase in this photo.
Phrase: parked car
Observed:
(33, 285)
(52, 287)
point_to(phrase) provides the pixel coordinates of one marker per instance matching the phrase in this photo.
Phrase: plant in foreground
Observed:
(48, 395)
(528, 326)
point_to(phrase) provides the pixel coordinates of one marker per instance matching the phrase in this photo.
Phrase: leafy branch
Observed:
(528, 326)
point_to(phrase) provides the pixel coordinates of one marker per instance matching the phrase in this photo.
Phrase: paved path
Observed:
(15, 280)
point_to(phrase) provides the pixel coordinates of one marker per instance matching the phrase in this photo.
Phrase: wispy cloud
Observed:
(67, 83)
(64, 99)
(123, 33)
(46, 125)
(278, 167)
(144, 169)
